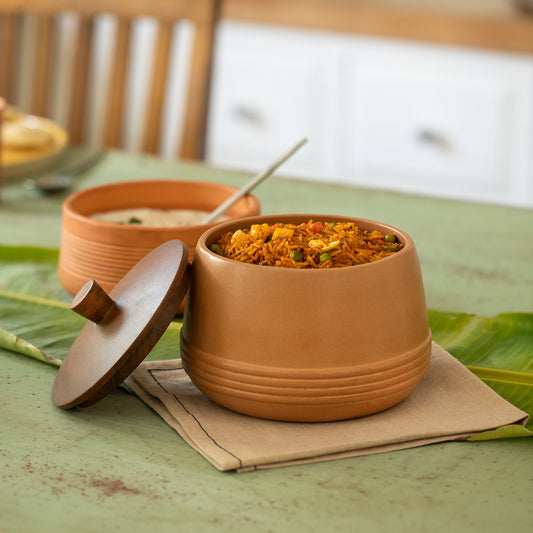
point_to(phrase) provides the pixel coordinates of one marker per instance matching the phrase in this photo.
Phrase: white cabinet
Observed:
(378, 113)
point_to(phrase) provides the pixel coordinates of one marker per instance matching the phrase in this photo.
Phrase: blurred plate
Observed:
(18, 161)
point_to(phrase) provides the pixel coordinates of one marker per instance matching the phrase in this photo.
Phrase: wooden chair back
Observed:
(44, 71)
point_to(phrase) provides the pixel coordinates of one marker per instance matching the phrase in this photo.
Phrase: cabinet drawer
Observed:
(435, 124)
(268, 93)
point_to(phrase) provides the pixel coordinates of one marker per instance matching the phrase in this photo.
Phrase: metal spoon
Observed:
(256, 180)
(54, 183)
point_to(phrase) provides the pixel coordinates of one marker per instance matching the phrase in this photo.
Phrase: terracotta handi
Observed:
(103, 251)
(308, 345)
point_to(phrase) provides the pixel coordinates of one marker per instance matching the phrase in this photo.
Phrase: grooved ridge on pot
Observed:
(310, 376)
(290, 392)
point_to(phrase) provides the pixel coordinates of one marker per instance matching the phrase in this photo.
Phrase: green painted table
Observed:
(118, 467)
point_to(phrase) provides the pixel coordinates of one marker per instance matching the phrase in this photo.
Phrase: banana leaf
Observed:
(36, 321)
(29, 253)
(30, 270)
(16, 344)
(498, 350)
(45, 329)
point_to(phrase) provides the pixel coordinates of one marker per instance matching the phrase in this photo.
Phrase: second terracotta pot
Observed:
(105, 252)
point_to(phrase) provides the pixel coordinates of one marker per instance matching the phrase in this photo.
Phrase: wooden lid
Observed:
(123, 326)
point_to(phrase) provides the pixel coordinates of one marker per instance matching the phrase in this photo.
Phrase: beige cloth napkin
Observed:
(450, 403)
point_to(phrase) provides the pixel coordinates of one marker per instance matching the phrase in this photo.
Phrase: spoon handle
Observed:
(256, 180)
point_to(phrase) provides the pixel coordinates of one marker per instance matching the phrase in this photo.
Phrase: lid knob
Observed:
(93, 303)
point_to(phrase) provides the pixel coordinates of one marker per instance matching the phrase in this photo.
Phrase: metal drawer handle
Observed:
(433, 138)
(248, 114)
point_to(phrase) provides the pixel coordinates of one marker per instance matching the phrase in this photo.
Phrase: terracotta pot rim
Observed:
(70, 212)
(213, 233)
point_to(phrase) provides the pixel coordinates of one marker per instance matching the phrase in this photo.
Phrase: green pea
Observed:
(297, 255)
(391, 247)
(325, 257)
(390, 237)
(217, 249)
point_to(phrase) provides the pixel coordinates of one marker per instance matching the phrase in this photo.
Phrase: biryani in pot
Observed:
(314, 244)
